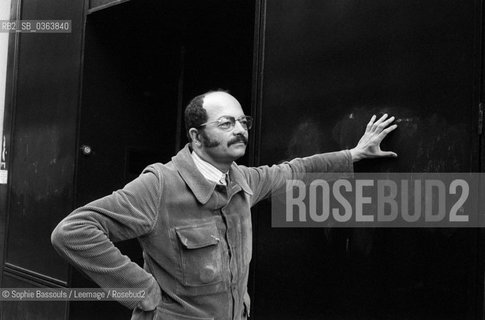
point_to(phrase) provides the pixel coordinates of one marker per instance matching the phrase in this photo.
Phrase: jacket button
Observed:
(207, 274)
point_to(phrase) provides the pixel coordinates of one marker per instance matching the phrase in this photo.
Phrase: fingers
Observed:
(388, 154)
(385, 132)
(387, 122)
(382, 123)
(369, 125)
(375, 132)
(381, 119)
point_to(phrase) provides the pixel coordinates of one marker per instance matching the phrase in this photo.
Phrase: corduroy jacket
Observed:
(196, 236)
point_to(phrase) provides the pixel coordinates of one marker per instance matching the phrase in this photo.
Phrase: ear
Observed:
(194, 135)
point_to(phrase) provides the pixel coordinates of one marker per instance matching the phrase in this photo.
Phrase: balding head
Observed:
(219, 104)
(196, 112)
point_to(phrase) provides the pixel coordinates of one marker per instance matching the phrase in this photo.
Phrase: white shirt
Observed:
(209, 172)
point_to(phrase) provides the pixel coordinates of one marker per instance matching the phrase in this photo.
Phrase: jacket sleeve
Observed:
(264, 180)
(85, 236)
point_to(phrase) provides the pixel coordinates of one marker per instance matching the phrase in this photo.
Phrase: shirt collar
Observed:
(209, 172)
(201, 187)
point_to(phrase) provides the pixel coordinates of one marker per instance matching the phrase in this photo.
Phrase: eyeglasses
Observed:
(228, 122)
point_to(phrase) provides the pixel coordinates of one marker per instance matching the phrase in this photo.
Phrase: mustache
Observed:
(238, 138)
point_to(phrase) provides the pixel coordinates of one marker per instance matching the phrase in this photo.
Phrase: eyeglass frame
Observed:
(233, 120)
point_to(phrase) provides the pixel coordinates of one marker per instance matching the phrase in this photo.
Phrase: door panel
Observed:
(328, 67)
(43, 133)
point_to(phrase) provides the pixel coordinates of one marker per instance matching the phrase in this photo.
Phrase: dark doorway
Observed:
(143, 62)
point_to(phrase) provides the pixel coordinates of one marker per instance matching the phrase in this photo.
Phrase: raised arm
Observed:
(264, 180)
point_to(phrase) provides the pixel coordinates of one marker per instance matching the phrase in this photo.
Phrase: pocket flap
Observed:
(198, 236)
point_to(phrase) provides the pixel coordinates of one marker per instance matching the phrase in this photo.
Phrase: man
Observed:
(192, 217)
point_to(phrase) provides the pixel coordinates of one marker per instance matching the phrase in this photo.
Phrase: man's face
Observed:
(223, 145)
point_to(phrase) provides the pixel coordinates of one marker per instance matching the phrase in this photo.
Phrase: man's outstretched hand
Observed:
(369, 145)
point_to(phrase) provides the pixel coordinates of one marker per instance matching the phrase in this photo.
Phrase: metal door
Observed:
(327, 67)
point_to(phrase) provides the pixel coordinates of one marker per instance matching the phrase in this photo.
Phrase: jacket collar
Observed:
(200, 186)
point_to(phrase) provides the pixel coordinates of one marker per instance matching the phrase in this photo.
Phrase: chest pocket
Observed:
(201, 254)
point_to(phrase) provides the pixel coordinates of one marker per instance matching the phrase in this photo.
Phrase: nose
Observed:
(238, 128)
